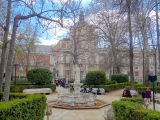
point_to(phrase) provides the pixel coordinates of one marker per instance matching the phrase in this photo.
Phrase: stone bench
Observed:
(37, 91)
(134, 93)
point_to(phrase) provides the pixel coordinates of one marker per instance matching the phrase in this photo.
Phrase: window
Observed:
(67, 73)
(54, 70)
(81, 75)
(101, 58)
(67, 44)
(67, 59)
(151, 68)
(151, 60)
(41, 62)
(32, 61)
(20, 71)
(157, 61)
(91, 61)
(137, 73)
(136, 68)
(79, 61)
(61, 58)
(136, 60)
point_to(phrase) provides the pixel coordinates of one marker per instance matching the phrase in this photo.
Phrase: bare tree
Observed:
(111, 28)
(37, 10)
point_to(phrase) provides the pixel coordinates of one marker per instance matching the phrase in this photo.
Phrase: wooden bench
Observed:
(37, 91)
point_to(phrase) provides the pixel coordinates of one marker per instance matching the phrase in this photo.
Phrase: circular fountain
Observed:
(76, 97)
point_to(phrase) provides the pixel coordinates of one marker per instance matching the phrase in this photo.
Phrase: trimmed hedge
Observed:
(95, 78)
(39, 76)
(120, 78)
(111, 87)
(128, 110)
(23, 107)
(137, 100)
(116, 86)
(110, 82)
(140, 89)
(20, 88)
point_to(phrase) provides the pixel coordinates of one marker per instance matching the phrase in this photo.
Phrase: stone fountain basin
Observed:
(72, 99)
(100, 104)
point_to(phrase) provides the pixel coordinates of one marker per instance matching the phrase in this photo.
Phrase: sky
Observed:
(58, 33)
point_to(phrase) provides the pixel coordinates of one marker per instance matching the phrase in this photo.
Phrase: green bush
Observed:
(23, 107)
(95, 78)
(120, 78)
(132, 110)
(39, 76)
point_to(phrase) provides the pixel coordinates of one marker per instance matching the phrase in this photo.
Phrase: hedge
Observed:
(111, 86)
(120, 78)
(128, 110)
(23, 107)
(20, 87)
(140, 89)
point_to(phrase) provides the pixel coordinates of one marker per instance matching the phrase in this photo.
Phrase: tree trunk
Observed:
(146, 56)
(131, 46)
(10, 61)
(4, 45)
(158, 40)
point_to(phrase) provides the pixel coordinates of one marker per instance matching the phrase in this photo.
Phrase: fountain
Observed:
(76, 98)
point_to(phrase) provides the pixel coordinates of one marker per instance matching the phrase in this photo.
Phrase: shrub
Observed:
(110, 82)
(39, 76)
(131, 110)
(23, 107)
(120, 78)
(95, 78)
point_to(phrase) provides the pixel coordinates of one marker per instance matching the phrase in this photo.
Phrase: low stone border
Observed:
(54, 105)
